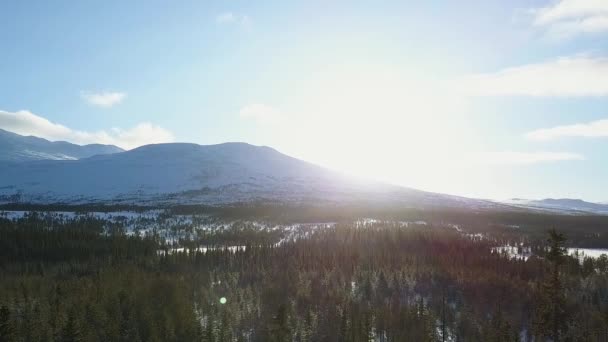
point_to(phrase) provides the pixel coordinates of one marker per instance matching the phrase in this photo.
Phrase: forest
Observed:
(83, 279)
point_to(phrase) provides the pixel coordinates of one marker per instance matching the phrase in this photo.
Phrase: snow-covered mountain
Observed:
(564, 205)
(211, 174)
(19, 148)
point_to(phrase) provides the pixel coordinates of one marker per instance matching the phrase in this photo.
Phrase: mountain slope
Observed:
(190, 173)
(566, 205)
(19, 148)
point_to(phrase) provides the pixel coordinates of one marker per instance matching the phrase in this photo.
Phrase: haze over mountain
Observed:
(40, 171)
(568, 205)
(19, 148)
(36, 170)
(211, 174)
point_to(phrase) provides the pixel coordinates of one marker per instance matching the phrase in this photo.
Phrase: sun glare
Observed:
(382, 124)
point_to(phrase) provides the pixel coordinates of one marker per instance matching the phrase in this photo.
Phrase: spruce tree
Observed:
(551, 317)
(71, 331)
(7, 328)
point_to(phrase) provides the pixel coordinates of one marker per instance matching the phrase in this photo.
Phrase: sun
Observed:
(381, 124)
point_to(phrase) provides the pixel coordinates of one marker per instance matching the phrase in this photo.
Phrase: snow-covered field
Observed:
(169, 226)
(524, 252)
(514, 252)
(173, 228)
(588, 252)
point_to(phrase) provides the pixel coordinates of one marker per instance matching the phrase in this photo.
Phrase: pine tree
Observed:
(7, 328)
(279, 329)
(71, 331)
(128, 328)
(443, 317)
(500, 328)
(551, 319)
(209, 335)
(343, 333)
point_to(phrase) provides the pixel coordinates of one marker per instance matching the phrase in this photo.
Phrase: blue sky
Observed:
(492, 99)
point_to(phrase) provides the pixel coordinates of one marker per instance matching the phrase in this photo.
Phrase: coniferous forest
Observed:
(83, 279)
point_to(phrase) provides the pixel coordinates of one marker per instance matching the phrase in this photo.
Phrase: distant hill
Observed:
(566, 205)
(211, 174)
(19, 148)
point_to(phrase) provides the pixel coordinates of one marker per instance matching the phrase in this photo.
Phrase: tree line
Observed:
(381, 281)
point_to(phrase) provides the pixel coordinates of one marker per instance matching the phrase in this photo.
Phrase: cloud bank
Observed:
(567, 76)
(103, 99)
(27, 123)
(233, 18)
(523, 158)
(567, 18)
(592, 129)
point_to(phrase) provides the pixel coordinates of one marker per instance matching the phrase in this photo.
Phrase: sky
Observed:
(487, 99)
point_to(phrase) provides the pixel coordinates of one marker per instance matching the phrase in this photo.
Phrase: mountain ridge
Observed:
(225, 173)
(568, 205)
(207, 174)
(20, 148)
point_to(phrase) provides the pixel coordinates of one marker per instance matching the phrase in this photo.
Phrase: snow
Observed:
(523, 252)
(42, 155)
(18, 148)
(514, 252)
(173, 228)
(111, 216)
(202, 249)
(588, 252)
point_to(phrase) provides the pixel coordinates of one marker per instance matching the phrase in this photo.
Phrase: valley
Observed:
(303, 273)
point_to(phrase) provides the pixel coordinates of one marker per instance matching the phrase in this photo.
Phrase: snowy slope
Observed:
(190, 173)
(18, 148)
(564, 205)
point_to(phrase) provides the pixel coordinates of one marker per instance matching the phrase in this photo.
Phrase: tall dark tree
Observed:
(279, 328)
(71, 330)
(7, 328)
(551, 312)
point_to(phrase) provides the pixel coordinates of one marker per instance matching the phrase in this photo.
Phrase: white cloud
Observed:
(523, 158)
(566, 18)
(27, 123)
(567, 76)
(597, 128)
(233, 18)
(262, 113)
(103, 99)
(225, 18)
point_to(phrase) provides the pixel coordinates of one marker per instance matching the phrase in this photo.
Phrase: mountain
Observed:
(565, 205)
(19, 148)
(211, 174)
